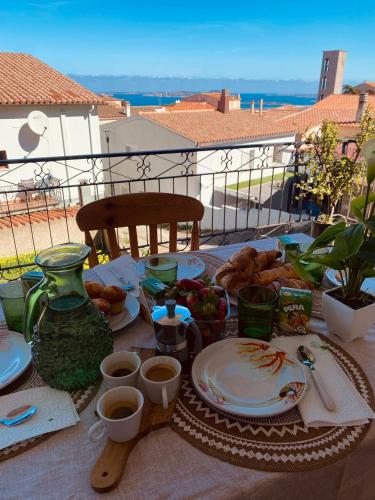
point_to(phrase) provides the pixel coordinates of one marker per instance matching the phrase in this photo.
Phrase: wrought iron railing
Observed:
(247, 190)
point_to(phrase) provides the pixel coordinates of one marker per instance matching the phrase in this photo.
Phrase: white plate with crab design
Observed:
(15, 356)
(248, 377)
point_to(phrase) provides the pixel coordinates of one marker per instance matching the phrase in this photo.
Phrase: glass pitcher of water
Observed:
(71, 336)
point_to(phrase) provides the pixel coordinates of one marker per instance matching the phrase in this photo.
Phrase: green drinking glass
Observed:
(256, 311)
(162, 268)
(13, 303)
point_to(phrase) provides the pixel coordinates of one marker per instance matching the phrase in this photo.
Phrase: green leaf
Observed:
(367, 251)
(358, 204)
(370, 223)
(327, 236)
(329, 260)
(348, 242)
(299, 269)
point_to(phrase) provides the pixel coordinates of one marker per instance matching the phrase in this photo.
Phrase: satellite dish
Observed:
(38, 122)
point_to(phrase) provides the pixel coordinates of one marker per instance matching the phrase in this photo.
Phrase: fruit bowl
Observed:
(208, 303)
(213, 330)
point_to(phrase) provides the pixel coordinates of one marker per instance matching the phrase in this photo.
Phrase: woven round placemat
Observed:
(28, 380)
(281, 443)
(212, 263)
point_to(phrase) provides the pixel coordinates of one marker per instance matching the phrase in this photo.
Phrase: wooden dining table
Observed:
(163, 465)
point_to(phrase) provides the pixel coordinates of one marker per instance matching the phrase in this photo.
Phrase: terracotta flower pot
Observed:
(349, 324)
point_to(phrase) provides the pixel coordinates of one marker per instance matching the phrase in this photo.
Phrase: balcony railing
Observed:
(247, 191)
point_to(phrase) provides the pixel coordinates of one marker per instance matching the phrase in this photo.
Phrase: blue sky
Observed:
(242, 39)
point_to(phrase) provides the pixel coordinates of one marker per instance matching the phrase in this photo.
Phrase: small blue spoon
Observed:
(18, 416)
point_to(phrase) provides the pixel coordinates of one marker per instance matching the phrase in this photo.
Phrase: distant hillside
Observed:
(107, 83)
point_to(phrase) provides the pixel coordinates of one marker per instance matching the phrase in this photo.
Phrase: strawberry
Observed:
(219, 315)
(197, 315)
(220, 292)
(191, 299)
(207, 291)
(208, 309)
(190, 285)
(181, 300)
(222, 305)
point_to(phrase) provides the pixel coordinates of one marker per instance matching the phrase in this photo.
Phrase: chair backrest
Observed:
(139, 209)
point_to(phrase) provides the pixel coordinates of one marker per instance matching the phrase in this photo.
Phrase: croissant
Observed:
(243, 258)
(225, 269)
(267, 276)
(234, 281)
(264, 259)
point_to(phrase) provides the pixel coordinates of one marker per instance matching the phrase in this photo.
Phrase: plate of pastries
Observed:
(120, 307)
(250, 267)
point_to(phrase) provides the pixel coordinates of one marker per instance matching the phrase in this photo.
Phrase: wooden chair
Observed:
(139, 209)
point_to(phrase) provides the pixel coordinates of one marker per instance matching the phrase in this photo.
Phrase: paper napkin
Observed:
(110, 274)
(351, 407)
(55, 410)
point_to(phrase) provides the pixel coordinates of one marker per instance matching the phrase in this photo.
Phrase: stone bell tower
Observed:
(332, 73)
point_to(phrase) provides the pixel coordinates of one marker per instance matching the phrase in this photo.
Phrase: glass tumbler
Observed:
(256, 311)
(162, 268)
(13, 303)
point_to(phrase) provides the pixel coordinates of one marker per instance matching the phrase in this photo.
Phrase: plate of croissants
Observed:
(120, 308)
(250, 267)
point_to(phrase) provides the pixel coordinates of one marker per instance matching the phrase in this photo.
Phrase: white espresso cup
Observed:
(119, 360)
(164, 391)
(118, 429)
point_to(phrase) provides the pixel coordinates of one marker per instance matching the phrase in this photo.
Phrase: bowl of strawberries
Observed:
(208, 303)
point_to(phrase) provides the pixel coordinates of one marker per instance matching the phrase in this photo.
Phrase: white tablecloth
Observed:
(163, 465)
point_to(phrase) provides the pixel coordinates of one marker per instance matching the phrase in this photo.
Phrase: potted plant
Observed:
(330, 173)
(348, 310)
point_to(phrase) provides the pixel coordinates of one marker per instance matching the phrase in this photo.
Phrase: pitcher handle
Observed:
(32, 299)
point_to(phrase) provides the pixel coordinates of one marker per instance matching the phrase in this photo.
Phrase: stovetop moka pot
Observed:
(177, 334)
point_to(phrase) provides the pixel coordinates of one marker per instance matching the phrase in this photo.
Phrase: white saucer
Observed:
(128, 315)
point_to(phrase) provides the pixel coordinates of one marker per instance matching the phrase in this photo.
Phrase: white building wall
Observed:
(139, 134)
(72, 130)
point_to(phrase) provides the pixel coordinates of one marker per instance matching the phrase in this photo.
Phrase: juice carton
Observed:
(295, 310)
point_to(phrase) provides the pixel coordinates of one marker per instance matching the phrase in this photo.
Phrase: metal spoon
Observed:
(18, 416)
(306, 356)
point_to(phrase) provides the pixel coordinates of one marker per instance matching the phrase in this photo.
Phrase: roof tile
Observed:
(24, 79)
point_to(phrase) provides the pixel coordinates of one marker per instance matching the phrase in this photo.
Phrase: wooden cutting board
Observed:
(108, 469)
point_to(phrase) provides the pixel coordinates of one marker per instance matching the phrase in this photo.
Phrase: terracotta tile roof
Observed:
(27, 80)
(190, 106)
(343, 102)
(217, 95)
(217, 127)
(239, 125)
(137, 110)
(37, 217)
(109, 112)
(340, 108)
(366, 85)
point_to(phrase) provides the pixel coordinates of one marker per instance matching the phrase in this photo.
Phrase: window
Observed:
(278, 154)
(324, 83)
(3, 156)
(326, 64)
